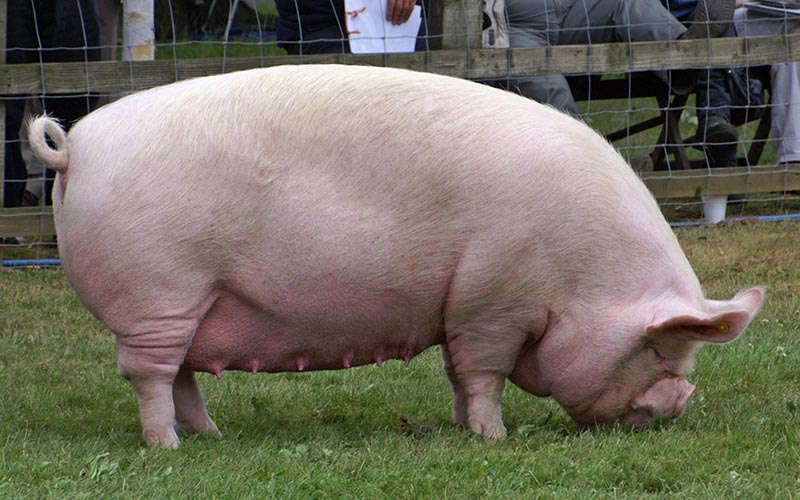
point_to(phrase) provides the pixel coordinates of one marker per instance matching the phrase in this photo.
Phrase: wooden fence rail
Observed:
(125, 76)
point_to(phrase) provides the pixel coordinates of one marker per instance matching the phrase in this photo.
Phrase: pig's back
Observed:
(340, 124)
(370, 137)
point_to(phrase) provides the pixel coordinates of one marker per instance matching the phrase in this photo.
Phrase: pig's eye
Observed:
(665, 364)
(653, 355)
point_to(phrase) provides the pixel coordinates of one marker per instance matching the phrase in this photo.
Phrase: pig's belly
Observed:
(238, 335)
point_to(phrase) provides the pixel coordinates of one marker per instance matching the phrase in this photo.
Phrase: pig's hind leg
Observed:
(190, 408)
(150, 355)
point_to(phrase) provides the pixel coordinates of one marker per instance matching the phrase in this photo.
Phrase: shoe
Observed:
(721, 155)
(680, 81)
(712, 18)
(716, 130)
(717, 137)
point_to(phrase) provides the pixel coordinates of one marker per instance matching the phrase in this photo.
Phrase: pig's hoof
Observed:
(207, 427)
(488, 430)
(164, 438)
(459, 416)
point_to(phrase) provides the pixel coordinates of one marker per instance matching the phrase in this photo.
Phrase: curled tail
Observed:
(38, 130)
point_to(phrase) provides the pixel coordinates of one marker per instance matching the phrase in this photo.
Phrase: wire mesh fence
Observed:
(702, 99)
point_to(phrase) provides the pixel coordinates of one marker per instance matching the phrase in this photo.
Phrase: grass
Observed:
(210, 49)
(69, 425)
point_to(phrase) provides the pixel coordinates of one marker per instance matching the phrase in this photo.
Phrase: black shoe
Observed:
(712, 18)
(716, 130)
(720, 155)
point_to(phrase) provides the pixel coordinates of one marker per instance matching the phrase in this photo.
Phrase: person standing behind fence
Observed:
(318, 26)
(722, 94)
(45, 31)
(539, 23)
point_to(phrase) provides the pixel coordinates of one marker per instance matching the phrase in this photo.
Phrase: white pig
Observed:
(322, 217)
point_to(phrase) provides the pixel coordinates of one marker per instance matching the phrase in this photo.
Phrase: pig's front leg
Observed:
(485, 414)
(190, 409)
(477, 366)
(459, 394)
(487, 320)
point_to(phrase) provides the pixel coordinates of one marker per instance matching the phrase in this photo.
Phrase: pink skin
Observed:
(311, 218)
(643, 372)
(666, 398)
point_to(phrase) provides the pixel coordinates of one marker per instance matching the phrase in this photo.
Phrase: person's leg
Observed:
(15, 173)
(536, 24)
(21, 35)
(714, 103)
(711, 19)
(714, 130)
(715, 133)
(605, 21)
(713, 96)
(785, 83)
(785, 108)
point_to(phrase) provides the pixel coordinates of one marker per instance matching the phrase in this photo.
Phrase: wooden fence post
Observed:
(455, 24)
(461, 24)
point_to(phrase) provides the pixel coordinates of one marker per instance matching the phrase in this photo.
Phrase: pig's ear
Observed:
(723, 321)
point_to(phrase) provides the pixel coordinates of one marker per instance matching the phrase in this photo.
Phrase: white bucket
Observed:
(714, 208)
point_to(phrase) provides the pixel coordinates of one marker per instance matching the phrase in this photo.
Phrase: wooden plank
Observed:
(131, 76)
(127, 76)
(32, 221)
(734, 180)
(640, 56)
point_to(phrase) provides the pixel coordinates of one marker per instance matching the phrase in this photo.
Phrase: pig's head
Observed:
(633, 368)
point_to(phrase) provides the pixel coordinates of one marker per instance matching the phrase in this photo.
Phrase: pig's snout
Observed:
(667, 398)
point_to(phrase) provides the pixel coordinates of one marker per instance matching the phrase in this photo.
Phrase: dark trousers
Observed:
(713, 95)
(713, 98)
(68, 31)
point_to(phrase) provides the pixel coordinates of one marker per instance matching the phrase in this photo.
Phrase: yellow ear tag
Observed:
(723, 328)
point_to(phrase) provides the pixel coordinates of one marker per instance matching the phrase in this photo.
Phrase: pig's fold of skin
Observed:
(322, 217)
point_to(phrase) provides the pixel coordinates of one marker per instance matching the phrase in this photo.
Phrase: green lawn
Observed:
(69, 425)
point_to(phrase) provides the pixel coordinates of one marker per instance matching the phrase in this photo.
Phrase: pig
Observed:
(323, 217)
